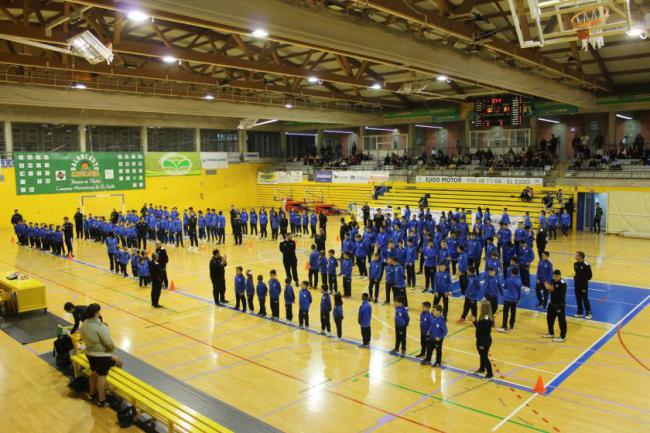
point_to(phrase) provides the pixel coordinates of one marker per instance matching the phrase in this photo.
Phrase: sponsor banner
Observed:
(8, 163)
(214, 160)
(323, 176)
(63, 172)
(359, 176)
(480, 180)
(275, 177)
(237, 157)
(173, 163)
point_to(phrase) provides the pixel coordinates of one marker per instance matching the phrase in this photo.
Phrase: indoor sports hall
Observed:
(325, 216)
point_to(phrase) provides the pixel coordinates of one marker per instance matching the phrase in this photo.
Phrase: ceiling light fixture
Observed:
(80, 86)
(209, 96)
(259, 33)
(137, 16)
(621, 116)
(86, 45)
(264, 123)
(376, 86)
(288, 105)
(442, 78)
(313, 79)
(380, 129)
(336, 131)
(429, 126)
(301, 134)
(169, 59)
(547, 120)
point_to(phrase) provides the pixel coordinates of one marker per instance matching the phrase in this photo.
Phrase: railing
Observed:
(476, 171)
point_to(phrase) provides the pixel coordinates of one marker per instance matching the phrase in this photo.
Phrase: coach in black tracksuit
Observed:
(557, 306)
(289, 259)
(163, 259)
(67, 235)
(141, 232)
(218, 265)
(581, 282)
(79, 223)
(155, 274)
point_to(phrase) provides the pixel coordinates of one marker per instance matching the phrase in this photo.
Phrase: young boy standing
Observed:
(274, 295)
(325, 310)
(544, 276)
(400, 282)
(346, 272)
(338, 314)
(322, 267)
(376, 270)
(473, 294)
(262, 290)
(332, 264)
(289, 299)
(581, 281)
(442, 288)
(314, 257)
(425, 324)
(437, 333)
(250, 290)
(364, 318)
(240, 288)
(511, 295)
(304, 302)
(402, 320)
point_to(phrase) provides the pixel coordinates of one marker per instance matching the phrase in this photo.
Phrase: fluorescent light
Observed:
(80, 86)
(259, 33)
(288, 105)
(86, 45)
(335, 131)
(376, 86)
(209, 96)
(302, 134)
(429, 126)
(547, 120)
(620, 116)
(313, 79)
(169, 59)
(137, 16)
(265, 122)
(442, 78)
(380, 129)
(635, 31)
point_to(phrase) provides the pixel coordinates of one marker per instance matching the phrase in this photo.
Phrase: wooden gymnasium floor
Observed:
(299, 381)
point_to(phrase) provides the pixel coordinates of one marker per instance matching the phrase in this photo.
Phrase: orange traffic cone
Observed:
(12, 240)
(539, 386)
(338, 239)
(172, 287)
(306, 266)
(70, 256)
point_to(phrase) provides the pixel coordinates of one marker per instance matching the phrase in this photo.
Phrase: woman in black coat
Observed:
(484, 324)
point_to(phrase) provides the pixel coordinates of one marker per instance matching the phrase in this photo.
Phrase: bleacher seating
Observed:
(339, 195)
(147, 399)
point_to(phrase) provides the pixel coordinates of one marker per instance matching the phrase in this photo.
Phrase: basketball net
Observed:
(589, 26)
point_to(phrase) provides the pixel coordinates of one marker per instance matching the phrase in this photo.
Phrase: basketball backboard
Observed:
(561, 21)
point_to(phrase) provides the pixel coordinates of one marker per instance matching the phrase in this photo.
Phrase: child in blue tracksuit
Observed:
(111, 249)
(565, 222)
(332, 264)
(314, 258)
(322, 267)
(364, 318)
(289, 299)
(402, 320)
(473, 294)
(400, 282)
(240, 288)
(304, 302)
(325, 310)
(492, 289)
(429, 254)
(390, 280)
(409, 260)
(124, 261)
(425, 324)
(376, 270)
(511, 294)
(442, 288)
(250, 290)
(346, 272)
(274, 295)
(261, 290)
(437, 334)
(143, 270)
(544, 275)
(338, 314)
(135, 261)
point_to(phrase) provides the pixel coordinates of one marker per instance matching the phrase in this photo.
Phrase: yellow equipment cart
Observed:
(22, 293)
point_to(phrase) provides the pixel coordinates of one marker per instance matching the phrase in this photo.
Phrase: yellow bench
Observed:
(149, 400)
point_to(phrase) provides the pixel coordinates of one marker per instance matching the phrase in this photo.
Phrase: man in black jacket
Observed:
(155, 274)
(67, 235)
(322, 221)
(289, 259)
(79, 223)
(78, 312)
(16, 217)
(581, 282)
(191, 231)
(218, 265)
(365, 210)
(163, 259)
(114, 216)
(237, 230)
(557, 307)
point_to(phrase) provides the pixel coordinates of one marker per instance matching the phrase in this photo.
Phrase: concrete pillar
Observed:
(361, 147)
(611, 129)
(82, 137)
(197, 139)
(241, 140)
(468, 133)
(144, 139)
(283, 144)
(534, 140)
(319, 141)
(9, 139)
(412, 146)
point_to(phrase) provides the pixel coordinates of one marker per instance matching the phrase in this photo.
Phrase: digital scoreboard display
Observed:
(505, 110)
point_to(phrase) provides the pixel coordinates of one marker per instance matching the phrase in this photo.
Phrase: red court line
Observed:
(620, 339)
(243, 358)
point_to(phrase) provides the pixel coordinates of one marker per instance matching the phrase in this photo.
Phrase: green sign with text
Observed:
(173, 163)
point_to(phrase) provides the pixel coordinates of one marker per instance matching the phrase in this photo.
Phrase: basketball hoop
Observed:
(588, 25)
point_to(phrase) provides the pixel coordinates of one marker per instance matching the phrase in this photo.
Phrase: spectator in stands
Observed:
(526, 195)
(99, 351)
(639, 146)
(548, 200)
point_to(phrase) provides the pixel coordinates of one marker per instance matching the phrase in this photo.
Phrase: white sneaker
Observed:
(502, 330)
(548, 336)
(577, 315)
(588, 317)
(559, 340)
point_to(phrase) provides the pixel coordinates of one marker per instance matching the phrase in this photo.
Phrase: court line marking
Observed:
(514, 412)
(591, 350)
(620, 339)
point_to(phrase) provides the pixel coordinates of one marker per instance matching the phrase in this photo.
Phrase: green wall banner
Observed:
(173, 163)
(65, 172)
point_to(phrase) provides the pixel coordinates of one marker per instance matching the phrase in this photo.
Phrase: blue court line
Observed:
(580, 360)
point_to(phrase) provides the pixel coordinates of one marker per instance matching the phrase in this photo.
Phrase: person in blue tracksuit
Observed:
(463, 265)
(325, 310)
(402, 320)
(565, 222)
(429, 253)
(504, 235)
(313, 220)
(332, 265)
(552, 225)
(346, 273)
(264, 221)
(111, 249)
(361, 251)
(322, 267)
(305, 223)
(474, 250)
(492, 288)
(425, 324)
(202, 223)
(275, 225)
(243, 218)
(289, 299)
(543, 221)
(544, 275)
(364, 319)
(520, 233)
(525, 255)
(376, 271)
(409, 262)
(338, 314)
(143, 270)
(274, 295)
(304, 302)
(505, 218)
(240, 288)
(262, 290)
(442, 288)
(125, 257)
(511, 294)
(436, 336)
(314, 257)
(390, 279)
(400, 282)
(253, 222)
(177, 230)
(250, 290)
(135, 261)
(508, 251)
(473, 294)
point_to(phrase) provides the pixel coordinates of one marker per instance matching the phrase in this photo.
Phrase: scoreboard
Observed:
(503, 110)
